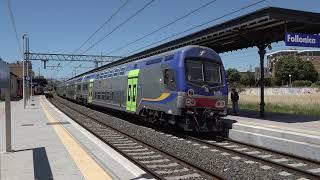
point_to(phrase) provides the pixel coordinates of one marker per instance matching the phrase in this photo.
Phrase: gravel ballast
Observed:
(225, 164)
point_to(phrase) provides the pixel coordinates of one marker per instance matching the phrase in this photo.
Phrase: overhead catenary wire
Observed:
(103, 25)
(194, 27)
(117, 27)
(94, 33)
(215, 19)
(121, 24)
(162, 27)
(14, 25)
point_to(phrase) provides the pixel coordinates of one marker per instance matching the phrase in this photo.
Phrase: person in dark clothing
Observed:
(235, 99)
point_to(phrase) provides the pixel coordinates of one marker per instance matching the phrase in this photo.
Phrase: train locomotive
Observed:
(186, 87)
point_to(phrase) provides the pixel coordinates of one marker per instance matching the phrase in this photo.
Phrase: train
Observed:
(38, 89)
(185, 88)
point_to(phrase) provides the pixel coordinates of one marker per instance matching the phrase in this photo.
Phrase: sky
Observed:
(62, 26)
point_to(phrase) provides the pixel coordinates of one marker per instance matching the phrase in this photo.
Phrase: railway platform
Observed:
(48, 145)
(292, 134)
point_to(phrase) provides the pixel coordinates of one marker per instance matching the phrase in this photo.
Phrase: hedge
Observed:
(316, 84)
(301, 83)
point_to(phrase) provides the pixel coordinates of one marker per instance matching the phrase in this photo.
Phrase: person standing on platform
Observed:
(235, 99)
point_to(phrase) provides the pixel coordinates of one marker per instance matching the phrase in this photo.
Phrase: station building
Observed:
(14, 87)
(16, 75)
(307, 55)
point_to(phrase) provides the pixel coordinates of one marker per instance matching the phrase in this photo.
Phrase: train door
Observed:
(132, 90)
(90, 91)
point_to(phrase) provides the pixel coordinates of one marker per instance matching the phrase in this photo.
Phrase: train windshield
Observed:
(203, 72)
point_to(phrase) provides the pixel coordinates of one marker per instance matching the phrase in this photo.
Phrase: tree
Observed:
(233, 75)
(296, 67)
(247, 79)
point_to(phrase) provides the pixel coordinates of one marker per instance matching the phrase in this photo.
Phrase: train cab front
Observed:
(206, 94)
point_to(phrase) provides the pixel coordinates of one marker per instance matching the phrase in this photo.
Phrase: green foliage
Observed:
(247, 79)
(316, 84)
(301, 83)
(268, 82)
(238, 86)
(233, 75)
(296, 67)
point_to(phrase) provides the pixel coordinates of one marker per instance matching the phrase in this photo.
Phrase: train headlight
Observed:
(190, 102)
(217, 93)
(220, 104)
(190, 92)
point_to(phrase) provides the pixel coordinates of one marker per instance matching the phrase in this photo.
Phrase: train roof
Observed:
(89, 75)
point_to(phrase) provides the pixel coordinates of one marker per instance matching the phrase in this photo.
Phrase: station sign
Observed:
(4, 74)
(302, 40)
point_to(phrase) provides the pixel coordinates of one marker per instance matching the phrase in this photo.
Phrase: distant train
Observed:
(38, 90)
(185, 87)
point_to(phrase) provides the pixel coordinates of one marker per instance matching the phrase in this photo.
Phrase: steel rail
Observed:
(202, 170)
(274, 151)
(283, 166)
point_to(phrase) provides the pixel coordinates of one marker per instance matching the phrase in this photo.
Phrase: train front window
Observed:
(212, 73)
(194, 71)
(203, 72)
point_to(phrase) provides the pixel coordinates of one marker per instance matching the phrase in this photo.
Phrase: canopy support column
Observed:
(262, 52)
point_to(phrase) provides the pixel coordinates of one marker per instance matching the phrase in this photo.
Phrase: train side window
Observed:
(116, 72)
(129, 90)
(103, 96)
(133, 93)
(111, 96)
(108, 95)
(122, 71)
(85, 87)
(169, 79)
(110, 74)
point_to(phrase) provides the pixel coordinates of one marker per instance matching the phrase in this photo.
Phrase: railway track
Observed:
(159, 164)
(283, 166)
(304, 167)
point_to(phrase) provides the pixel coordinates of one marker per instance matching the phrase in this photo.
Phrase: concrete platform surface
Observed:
(48, 145)
(296, 135)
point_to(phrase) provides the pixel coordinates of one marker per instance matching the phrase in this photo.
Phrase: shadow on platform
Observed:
(12, 99)
(41, 165)
(16, 98)
(143, 176)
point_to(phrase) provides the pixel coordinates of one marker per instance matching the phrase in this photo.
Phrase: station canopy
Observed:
(258, 28)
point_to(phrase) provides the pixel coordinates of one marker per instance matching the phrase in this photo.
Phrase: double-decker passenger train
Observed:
(185, 87)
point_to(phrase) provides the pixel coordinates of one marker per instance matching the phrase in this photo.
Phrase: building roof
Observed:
(293, 50)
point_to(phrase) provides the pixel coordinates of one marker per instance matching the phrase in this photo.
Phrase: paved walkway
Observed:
(289, 122)
(48, 145)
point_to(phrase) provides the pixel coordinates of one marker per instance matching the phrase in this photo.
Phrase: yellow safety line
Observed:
(308, 132)
(89, 168)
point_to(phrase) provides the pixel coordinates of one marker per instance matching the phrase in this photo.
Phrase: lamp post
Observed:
(290, 80)
(23, 72)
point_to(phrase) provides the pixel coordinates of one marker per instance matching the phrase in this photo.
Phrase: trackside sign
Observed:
(302, 40)
(4, 74)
